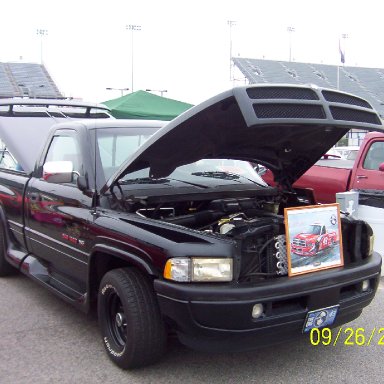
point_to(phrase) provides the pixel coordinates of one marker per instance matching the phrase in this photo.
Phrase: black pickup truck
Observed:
(169, 230)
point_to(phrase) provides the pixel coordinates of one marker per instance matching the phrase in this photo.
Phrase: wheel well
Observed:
(100, 264)
(4, 224)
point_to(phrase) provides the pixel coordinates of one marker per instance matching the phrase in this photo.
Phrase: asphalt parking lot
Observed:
(45, 340)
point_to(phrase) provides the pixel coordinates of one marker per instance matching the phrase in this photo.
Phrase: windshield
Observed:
(117, 145)
(313, 230)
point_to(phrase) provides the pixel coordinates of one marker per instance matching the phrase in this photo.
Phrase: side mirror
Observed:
(260, 169)
(381, 167)
(82, 183)
(58, 172)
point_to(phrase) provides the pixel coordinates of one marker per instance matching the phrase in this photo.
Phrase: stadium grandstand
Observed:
(367, 83)
(27, 80)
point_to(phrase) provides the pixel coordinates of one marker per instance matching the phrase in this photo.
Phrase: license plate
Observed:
(320, 318)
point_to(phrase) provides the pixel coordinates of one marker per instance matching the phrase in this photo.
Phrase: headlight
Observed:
(198, 269)
(211, 269)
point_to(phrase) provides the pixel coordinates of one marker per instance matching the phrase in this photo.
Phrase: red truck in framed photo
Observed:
(314, 239)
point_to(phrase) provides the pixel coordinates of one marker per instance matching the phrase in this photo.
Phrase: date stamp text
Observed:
(347, 336)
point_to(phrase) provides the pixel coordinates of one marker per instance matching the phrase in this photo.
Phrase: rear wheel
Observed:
(131, 325)
(5, 268)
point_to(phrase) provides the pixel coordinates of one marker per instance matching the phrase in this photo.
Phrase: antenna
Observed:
(95, 193)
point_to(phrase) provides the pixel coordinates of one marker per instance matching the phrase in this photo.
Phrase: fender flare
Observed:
(125, 256)
(4, 227)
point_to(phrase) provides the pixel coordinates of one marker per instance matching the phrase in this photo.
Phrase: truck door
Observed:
(368, 175)
(58, 217)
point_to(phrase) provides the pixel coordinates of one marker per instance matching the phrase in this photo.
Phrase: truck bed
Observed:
(327, 178)
(336, 163)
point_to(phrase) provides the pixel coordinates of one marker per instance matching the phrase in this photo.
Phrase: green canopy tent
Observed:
(145, 105)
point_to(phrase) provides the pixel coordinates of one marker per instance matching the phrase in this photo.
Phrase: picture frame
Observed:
(314, 238)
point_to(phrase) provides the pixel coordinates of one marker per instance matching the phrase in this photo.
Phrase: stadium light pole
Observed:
(290, 31)
(344, 36)
(41, 33)
(117, 89)
(231, 23)
(161, 91)
(132, 28)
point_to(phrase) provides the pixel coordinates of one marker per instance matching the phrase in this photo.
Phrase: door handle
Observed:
(361, 177)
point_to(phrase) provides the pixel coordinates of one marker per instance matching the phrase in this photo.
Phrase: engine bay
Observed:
(256, 224)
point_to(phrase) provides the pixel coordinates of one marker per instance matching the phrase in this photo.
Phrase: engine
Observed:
(262, 242)
(255, 224)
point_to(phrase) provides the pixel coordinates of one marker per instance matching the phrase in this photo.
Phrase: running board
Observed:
(40, 273)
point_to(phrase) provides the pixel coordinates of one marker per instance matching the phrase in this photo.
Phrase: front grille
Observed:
(299, 242)
(356, 236)
(348, 114)
(289, 111)
(263, 258)
(337, 97)
(282, 93)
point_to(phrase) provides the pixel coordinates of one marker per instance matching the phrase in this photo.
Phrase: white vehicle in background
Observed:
(347, 152)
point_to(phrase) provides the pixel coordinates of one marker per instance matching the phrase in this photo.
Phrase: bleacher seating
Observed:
(367, 83)
(27, 80)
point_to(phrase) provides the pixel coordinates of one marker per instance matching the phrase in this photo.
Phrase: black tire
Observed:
(132, 329)
(6, 269)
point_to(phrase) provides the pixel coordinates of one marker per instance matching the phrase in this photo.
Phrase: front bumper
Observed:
(217, 317)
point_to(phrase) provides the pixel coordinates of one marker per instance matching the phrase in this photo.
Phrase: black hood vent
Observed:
(337, 97)
(348, 114)
(282, 93)
(289, 111)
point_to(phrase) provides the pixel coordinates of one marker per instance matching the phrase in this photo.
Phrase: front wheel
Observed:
(129, 316)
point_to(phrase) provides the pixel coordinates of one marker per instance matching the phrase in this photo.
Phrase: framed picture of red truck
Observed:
(313, 238)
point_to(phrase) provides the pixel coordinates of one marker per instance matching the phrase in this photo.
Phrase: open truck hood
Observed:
(284, 127)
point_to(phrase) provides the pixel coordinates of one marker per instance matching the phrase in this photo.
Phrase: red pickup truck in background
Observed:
(313, 240)
(329, 176)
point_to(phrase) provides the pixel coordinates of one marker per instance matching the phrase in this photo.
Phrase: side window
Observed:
(7, 161)
(375, 156)
(65, 148)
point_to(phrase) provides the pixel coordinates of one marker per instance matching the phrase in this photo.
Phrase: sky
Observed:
(182, 47)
